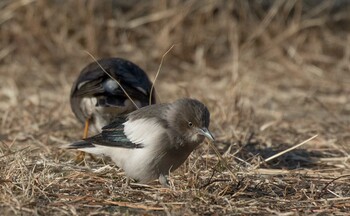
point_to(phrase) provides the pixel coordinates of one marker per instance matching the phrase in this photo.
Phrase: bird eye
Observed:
(190, 124)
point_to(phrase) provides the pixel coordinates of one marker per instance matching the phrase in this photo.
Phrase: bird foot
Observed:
(80, 157)
(164, 180)
(126, 185)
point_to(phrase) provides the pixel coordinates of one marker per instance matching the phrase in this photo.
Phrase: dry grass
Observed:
(272, 76)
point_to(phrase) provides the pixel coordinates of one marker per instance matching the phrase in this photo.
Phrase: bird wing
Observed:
(89, 85)
(113, 135)
(93, 81)
(122, 133)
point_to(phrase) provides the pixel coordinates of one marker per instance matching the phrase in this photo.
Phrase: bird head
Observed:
(190, 118)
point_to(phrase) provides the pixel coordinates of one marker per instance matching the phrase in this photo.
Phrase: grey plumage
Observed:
(95, 96)
(152, 141)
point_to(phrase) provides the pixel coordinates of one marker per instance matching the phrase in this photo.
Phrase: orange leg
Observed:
(81, 155)
(86, 128)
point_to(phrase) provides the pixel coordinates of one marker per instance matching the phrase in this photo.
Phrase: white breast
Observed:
(148, 133)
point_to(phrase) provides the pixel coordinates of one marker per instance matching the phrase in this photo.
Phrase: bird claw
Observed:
(80, 157)
(126, 185)
(164, 180)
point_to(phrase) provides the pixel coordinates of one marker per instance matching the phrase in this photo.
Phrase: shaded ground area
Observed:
(273, 74)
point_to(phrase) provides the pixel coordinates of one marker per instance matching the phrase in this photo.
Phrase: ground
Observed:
(272, 73)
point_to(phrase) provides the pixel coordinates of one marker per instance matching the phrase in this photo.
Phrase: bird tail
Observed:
(79, 145)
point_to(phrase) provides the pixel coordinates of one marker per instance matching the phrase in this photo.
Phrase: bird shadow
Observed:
(306, 158)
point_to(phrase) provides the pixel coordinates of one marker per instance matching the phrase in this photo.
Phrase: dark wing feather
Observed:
(130, 76)
(90, 88)
(112, 135)
(79, 145)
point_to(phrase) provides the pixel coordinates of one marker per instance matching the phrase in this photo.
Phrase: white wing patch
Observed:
(142, 90)
(82, 83)
(144, 131)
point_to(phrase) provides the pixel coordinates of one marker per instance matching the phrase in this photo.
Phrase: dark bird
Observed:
(96, 98)
(152, 141)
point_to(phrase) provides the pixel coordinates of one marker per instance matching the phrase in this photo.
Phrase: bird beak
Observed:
(205, 132)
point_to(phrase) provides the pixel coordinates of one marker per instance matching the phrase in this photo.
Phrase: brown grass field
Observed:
(272, 73)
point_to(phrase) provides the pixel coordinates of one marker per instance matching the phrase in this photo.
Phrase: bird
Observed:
(152, 141)
(96, 97)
